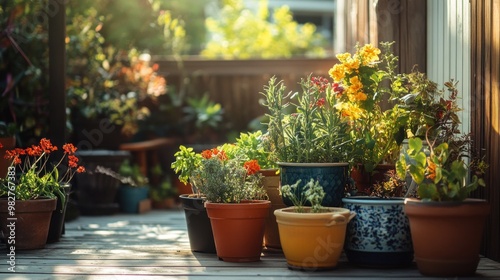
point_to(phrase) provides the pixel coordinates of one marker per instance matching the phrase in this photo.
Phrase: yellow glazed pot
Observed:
(312, 241)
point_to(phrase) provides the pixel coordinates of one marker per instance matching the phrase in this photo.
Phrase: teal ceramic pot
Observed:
(331, 176)
(379, 235)
(129, 198)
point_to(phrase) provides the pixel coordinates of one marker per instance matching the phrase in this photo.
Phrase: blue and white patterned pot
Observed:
(331, 176)
(379, 235)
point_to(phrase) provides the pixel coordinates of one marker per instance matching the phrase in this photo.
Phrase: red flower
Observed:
(80, 169)
(72, 161)
(69, 148)
(206, 154)
(252, 167)
(47, 146)
(320, 103)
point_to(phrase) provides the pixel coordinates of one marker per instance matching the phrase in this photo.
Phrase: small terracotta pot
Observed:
(29, 226)
(238, 229)
(447, 235)
(312, 241)
(271, 183)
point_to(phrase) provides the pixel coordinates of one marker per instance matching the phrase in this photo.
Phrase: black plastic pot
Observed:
(58, 215)
(201, 238)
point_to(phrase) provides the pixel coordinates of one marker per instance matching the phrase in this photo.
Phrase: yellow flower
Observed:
(355, 86)
(343, 57)
(369, 54)
(337, 72)
(360, 96)
(351, 64)
(349, 110)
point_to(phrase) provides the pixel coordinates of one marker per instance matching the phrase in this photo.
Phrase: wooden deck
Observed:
(155, 246)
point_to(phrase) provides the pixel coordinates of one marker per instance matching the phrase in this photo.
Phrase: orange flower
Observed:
(69, 148)
(252, 167)
(206, 154)
(47, 146)
(431, 169)
(72, 161)
(80, 169)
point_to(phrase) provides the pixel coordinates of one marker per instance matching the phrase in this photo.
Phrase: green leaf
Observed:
(427, 191)
(417, 174)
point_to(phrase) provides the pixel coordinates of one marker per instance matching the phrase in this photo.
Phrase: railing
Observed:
(236, 84)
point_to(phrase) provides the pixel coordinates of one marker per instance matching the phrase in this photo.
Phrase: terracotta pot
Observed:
(201, 238)
(379, 235)
(238, 229)
(271, 182)
(31, 222)
(8, 143)
(365, 180)
(447, 235)
(331, 176)
(312, 241)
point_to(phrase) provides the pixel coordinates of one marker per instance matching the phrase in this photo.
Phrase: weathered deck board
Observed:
(155, 246)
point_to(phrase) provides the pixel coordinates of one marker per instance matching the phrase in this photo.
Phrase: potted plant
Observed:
(236, 202)
(379, 235)
(446, 225)
(255, 145)
(308, 137)
(30, 190)
(134, 187)
(363, 81)
(198, 224)
(304, 230)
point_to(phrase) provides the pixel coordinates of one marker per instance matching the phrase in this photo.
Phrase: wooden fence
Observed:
(236, 84)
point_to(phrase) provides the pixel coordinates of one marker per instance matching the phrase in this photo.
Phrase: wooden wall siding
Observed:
(485, 102)
(237, 84)
(448, 49)
(402, 21)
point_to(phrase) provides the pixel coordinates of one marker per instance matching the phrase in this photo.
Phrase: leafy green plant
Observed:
(306, 126)
(186, 162)
(202, 115)
(312, 193)
(254, 145)
(240, 33)
(222, 179)
(35, 176)
(439, 175)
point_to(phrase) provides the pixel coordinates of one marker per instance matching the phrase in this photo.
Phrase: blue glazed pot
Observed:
(379, 234)
(129, 198)
(331, 176)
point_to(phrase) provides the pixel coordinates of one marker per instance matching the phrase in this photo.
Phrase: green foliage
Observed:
(24, 67)
(305, 126)
(240, 33)
(186, 162)
(439, 176)
(312, 193)
(254, 145)
(227, 180)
